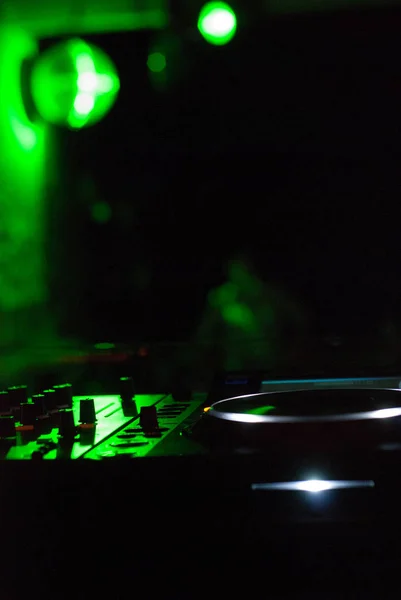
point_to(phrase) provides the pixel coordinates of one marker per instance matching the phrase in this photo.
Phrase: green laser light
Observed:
(74, 84)
(217, 23)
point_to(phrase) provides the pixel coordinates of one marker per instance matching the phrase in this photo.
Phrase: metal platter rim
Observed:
(385, 413)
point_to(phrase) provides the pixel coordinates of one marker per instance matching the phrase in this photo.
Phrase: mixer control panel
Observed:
(55, 424)
(142, 436)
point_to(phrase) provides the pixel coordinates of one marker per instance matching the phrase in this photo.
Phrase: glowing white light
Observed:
(245, 418)
(85, 63)
(91, 83)
(87, 82)
(387, 413)
(105, 83)
(312, 485)
(219, 22)
(84, 104)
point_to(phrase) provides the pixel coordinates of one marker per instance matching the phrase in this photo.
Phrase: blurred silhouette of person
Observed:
(248, 322)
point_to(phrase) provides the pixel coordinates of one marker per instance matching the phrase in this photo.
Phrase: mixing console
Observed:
(147, 434)
(56, 424)
(235, 415)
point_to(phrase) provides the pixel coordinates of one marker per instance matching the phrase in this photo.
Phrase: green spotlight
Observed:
(217, 23)
(74, 84)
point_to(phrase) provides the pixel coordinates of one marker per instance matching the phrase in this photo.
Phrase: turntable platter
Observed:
(308, 406)
(308, 418)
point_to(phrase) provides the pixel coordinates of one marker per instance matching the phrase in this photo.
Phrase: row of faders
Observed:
(38, 414)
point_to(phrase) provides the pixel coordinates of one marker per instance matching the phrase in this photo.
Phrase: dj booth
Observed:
(293, 486)
(256, 483)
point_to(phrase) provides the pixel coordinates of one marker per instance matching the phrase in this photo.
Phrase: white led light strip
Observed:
(312, 485)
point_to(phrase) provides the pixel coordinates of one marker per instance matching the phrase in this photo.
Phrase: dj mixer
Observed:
(56, 424)
(258, 476)
(239, 411)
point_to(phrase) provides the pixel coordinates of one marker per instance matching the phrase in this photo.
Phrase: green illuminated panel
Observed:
(147, 445)
(109, 416)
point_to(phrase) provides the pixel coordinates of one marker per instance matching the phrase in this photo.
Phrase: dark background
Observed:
(284, 144)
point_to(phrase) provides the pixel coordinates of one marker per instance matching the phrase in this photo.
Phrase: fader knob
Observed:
(63, 395)
(148, 418)
(18, 395)
(87, 413)
(127, 392)
(67, 429)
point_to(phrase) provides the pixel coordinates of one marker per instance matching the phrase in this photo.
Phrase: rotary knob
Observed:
(39, 401)
(148, 419)
(127, 392)
(63, 395)
(67, 428)
(43, 420)
(50, 400)
(87, 413)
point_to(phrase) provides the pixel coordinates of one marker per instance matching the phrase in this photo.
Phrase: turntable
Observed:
(305, 418)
